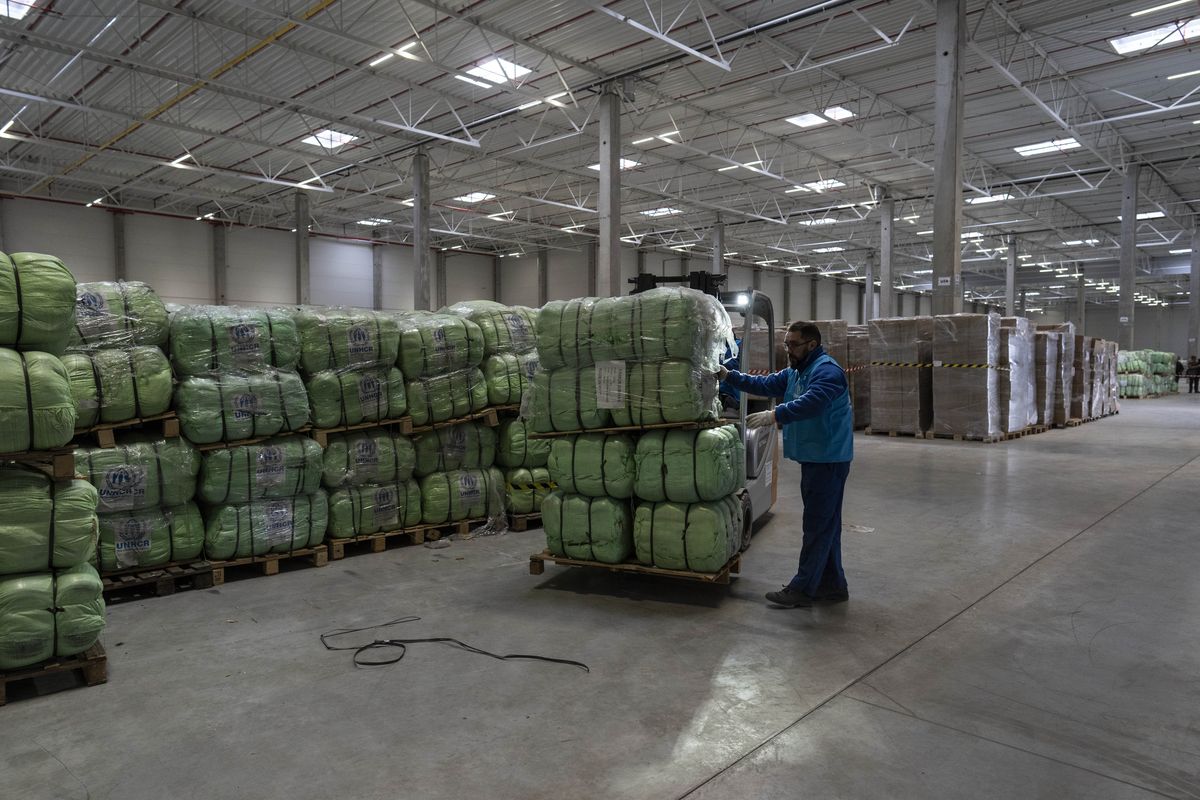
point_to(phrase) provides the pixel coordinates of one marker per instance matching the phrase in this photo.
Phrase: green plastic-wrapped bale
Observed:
(266, 526)
(699, 537)
(506, 329)
(283, 467)
(462, 494)
(37, 303)
(119, 314)
(507, 376)
(37, 411)
(527, 489)
(690, 466)
(350, 397)
(668, 391)
(450, 396)
(235, 406)
(369, 456)
(44, 524)
(340, 338)
(150, 537)
(514, 447)
(44, 615)
(363, 510)
(588, 528)
(594, 465)
(565, 400)
(115, 385)
(145, 472)
(471, 445)
(434, 344)
(211, 339)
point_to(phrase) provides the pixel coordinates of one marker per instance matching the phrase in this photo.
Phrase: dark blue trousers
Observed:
(822, 487)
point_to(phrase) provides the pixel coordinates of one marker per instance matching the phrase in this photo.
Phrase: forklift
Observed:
(762, 444)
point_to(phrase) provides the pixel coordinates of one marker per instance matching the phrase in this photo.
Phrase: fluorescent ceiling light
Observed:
(821, 221)
(1147, 215)
(1179, 75)
(834, 249)
(922, 272)
(911, 218)
(1175, 33)
(498, 70)
(572, 227)
(15, 9)
(988, 198)
(1077, 242)
(795, 189)
(530, 104)
(726, 169)
(971, 235)
(767, 261)
(1181, 252)
(1160, 7)
(502, 215)
(475, 197)
(409, 202)
(382, 59)
(373, 221)
(836, 113)
(1052, 146)
(924, 233)
(481, 84)
(825, 185)
(1024, 256)
(660, 136)
(626, 163)
(95, 202)
(664, 211)
(329, 139)
(177, 162)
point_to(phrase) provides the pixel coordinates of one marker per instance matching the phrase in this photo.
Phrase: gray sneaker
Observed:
(789, 599)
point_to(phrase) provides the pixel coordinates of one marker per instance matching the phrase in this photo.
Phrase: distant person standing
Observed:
(1193, 375)
(1178, 370)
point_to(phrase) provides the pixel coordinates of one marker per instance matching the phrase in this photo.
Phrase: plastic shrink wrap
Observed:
(44, 615)
(44, 524)
(699, 537)
(144, 472)
(266, 526)
(374, 507)
(588, 528)
(115, 385)
(377, 455)
(37, 303)
(118, 314)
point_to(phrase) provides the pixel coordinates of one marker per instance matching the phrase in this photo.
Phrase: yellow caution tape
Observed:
(525, 487)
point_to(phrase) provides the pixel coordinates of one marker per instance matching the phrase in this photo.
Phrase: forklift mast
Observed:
(705, 282)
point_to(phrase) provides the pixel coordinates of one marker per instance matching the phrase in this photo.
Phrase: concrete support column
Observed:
(1125, 302)
(947, 157)
(3, 247)
(1080, 304)
(1010, 279)
(887, 279)
(422, 301)
(868, 298)
(302, 217)
(440, 279)
(1193, 335)
(756, 280)
(837, 300)
(122, 266)
(785, 314)
(641, 265)
(376, 271)
(497, 278)
(543, 276)
(220, 263)
(718, 246)
(609, 201)
(593, 256)
(685, 265)
(1021, 308)
(812, 297)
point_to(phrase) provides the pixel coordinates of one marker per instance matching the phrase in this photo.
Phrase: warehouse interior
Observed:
(1021, 612)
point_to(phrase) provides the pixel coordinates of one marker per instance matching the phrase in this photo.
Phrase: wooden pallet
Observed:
(508, 411)
(404, 424)
(375, 542)
(537, 565)
(685, 426)
(106, 435)
(157, 581)
(204, 448)
(487, 416)
(58, 463)
(269, 565)
(434, 531)
(962, 437)
(523, 522)
(1074, 422)
(91, 665)
(915, 434)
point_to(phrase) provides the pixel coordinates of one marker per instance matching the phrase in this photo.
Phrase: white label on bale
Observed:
(441, 347)
(131, 538)
(359, 343)
(244, 342)
(610, 384)
(469, 488)
(518, 329)
(123, 488)
(279, 525)
(387, 511)
(245, 406)
(370, 391)
(270, 466)
(944, 281)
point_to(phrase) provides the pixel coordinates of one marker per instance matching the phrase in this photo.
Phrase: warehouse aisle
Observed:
(1006, 633)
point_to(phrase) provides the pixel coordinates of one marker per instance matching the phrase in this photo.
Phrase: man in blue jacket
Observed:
(818, 431)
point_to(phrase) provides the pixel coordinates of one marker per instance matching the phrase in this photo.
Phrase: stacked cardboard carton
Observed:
(858, 370)
(1065, 377)
(901, 374)
(1017, 383)
(966, 352)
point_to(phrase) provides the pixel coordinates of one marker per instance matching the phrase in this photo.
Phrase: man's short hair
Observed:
(807, 330)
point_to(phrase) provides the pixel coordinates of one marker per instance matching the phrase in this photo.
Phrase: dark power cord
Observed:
(396, 649)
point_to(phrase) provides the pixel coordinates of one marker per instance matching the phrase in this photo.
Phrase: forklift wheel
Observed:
(747, 522)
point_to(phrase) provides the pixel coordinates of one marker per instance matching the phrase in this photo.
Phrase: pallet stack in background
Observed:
(1146, 373)
(643, 468)
(901, 350)
(858, 371)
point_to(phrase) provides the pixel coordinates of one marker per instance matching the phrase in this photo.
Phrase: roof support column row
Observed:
(1125, 309)
(422, 301)
(947, 157)
(887, 282)
(301, 228)
(1010, 279)
(609, 201)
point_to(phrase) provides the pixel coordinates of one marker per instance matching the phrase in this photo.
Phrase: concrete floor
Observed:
(1023, 623)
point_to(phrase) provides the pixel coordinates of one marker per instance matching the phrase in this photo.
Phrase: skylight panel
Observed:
(1077, 242)
(1146, 215)
(819, 221)
(498, 70)
(664, 211)
(838, 113)
(475, 197)
(1175, 33)
(373, 222)
(835, 113)
(825, 185)
(990, 198)
(327, 138)
(833, 249)
(15, 9)
(1052, 146)
(626, 163)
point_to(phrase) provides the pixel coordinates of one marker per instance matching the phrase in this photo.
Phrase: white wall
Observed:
(261, 267)
(772, 286)
(469, 277)
(924, 306)
(851, 302)
(568, 275)
(339, 272)
(397, 278)
(519, 281)
(81, 237)
(172, 255)
(826, 302)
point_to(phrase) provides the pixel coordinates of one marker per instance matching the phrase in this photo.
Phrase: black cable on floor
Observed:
(400, 647)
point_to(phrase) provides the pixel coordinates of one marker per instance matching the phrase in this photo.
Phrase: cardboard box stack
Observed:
(1065, 378)
(901, 374)
(1047, 374)
(966, 351)
(858, 371)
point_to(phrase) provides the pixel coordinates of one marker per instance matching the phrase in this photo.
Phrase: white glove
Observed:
(761, 419)
(722, 373)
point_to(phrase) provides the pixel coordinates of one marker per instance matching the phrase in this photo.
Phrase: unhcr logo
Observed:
(360, 340)
(245, 407)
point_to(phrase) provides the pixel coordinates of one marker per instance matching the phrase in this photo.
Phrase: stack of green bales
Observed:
(348, 357)
(369, 476)
(666, 497)
(457, 479)
(51, 601)
(116, 363)
(509, 347)
(526, 478)
(237, 372)
(1146, 373)
(147, 514)
(263, 498)
(37, 312)
(440, 356)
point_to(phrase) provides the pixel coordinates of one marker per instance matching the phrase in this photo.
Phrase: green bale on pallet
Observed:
(266, 526)
(115, 385)
(37, 303)
(344, 338)
(212, 339)
(434, 344)
(150, 537)
(350, 397)
(283, 467)
(362, 510)
(514, 447)
(370, 456)
(587, 528)
(112, 314)
(594, 465)
(37, 411)
(44, 524)
(462, 494)
(47, 615)
(471, 445)
(668, 392)
(508, 375)
(565, 400)
(506, 329)
(690, 466)
(698, 537)
(235, 406)
(145, 472)
(527, 489)
(445, 397)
